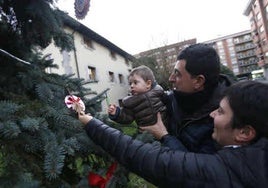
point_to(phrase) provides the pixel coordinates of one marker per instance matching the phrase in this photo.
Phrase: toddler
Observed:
(143, 103)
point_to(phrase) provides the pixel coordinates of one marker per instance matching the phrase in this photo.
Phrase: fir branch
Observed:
(26, 180)
(44, 92)
(54, 160)
(32, 144)
(8, 108)
(14, 57)
(70, 145)
(9, 130)
(30, 124)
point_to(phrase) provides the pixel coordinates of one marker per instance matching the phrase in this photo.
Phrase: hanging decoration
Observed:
(99, 181)
(81, 8)
(71, 101)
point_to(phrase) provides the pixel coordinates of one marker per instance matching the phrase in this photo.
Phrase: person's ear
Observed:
(245, 134)
(199, 82)
(148, 84)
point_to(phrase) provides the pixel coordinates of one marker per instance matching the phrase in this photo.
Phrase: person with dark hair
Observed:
(143, 103)
(197, 89)
(248, 102)
(240, 128)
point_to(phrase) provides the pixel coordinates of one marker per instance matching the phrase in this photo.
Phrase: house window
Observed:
(92, 73)
(88, 42)
(255, 4)
(111, 76)
(126, 61)
(261, 29)
(113, 54)
(121, 78)
(258, 16)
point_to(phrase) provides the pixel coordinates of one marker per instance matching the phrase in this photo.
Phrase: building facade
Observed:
(237, 52)
(96, 60)
(166, 54)
(257, 12)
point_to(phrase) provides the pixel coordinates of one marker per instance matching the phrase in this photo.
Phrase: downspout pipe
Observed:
(75, 58)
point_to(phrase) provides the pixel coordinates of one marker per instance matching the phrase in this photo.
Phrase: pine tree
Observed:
(42, 142)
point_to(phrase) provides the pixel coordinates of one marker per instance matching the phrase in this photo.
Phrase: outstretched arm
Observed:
(159, 165)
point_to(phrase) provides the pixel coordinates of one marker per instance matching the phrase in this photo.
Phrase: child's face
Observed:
(138, 85)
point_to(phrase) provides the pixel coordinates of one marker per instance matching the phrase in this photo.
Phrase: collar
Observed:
(191, 102)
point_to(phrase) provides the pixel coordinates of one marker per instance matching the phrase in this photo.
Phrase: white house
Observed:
(94, 59)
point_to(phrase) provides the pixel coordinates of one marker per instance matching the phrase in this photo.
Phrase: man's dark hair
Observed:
(202, 59)
(249, 103)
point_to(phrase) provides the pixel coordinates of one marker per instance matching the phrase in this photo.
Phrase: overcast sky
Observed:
(140, 25)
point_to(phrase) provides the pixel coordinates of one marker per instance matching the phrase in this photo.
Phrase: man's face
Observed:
(138, 85)
(223, 132)
(181, 79)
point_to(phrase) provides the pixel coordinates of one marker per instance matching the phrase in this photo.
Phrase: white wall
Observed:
(98, 57)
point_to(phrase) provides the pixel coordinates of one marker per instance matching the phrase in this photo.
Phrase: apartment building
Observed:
(237, 52)
(257, 12)
(166, 54)
(96, 60)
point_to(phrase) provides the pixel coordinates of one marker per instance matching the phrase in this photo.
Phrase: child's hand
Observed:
(112, 109)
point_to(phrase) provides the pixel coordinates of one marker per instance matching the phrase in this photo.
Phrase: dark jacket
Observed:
(229, 168)
(194, 130)
(141, 108)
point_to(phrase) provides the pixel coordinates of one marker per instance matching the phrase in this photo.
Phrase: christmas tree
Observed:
(42, 142)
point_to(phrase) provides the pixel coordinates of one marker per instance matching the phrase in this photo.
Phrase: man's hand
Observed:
(158, 130)
(112, 109)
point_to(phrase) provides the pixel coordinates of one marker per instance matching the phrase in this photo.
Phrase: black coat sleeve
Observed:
(173, 143)
(159, 165)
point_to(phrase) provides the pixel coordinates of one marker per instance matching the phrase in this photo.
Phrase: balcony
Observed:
(244, 48)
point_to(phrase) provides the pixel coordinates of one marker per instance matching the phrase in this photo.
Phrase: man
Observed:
(240, 128)
(197, 90)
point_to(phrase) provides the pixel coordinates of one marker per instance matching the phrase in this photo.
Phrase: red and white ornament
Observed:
(72, 100)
